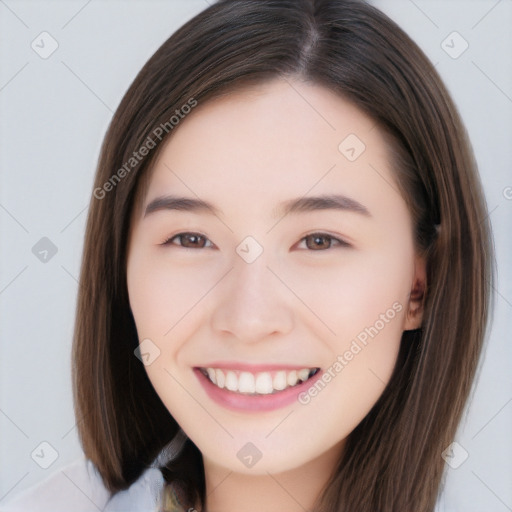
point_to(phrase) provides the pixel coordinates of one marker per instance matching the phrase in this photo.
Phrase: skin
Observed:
(246, 152)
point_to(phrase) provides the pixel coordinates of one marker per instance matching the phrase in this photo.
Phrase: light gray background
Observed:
(54, 113)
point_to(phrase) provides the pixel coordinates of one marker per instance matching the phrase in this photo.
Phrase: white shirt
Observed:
(78, 488)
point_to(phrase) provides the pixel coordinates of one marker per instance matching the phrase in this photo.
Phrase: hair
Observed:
(392, 460)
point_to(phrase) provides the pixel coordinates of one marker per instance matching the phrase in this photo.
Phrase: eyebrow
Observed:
(300, 205)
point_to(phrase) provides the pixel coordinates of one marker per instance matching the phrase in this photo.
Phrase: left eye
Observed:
(189, 241)
(322, 241)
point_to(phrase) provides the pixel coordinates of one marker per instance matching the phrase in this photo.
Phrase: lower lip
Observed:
(239, 402)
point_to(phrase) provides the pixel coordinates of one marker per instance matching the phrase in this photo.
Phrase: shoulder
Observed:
(79, 487)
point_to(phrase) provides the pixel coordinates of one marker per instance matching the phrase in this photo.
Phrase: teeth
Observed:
(219, 376)
(262, 383)
(231, 381)
(211, 374)
(279, 381)
(292, 378)
(246, 383)
(303, 374)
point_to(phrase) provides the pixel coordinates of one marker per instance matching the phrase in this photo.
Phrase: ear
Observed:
(414, 315)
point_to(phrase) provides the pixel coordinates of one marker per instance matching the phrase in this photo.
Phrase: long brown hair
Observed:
(392, 460)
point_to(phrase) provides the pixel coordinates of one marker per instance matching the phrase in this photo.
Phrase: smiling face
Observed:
(289, 257)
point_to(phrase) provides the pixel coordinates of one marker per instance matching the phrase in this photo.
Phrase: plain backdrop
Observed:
(54, 113)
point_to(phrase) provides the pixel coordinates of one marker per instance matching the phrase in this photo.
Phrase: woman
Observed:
(285, 283)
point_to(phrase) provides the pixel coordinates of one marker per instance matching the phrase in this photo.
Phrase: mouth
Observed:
(258, 383)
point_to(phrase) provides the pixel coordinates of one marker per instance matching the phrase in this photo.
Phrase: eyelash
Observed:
(337, 241)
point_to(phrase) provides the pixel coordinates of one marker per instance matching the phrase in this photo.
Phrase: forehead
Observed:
(273, 141)
(282, 120)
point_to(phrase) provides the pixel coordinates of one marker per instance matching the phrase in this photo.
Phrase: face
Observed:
(273, 295)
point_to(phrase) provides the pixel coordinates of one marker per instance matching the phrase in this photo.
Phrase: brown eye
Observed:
(322, 241)
(189, 241)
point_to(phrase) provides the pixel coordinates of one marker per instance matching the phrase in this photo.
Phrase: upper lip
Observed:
(253, 368)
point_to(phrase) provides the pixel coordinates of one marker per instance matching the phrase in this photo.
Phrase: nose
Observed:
(252, 303)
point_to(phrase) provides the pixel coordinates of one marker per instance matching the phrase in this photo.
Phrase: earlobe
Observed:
(414, 316)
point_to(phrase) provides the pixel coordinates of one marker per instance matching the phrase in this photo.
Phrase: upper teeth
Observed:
(262, 383)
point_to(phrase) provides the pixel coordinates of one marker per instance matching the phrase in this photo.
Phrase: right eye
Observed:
(189, 241)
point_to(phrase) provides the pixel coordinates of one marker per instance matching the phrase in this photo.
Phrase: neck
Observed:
(295, 490)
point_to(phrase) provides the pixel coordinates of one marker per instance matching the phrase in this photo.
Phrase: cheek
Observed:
(353, 290)
(163, 293)
(165, 300)
(364, 303)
